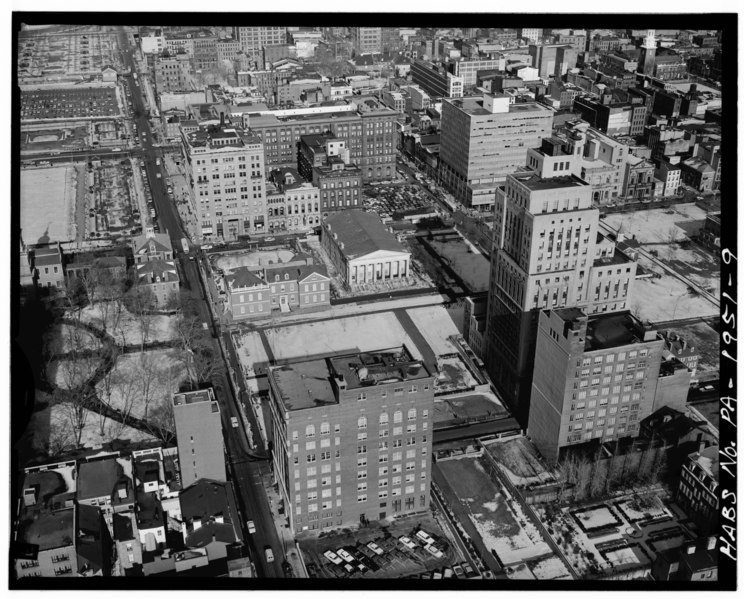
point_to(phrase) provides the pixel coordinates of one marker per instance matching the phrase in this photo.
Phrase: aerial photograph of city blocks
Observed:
(367, 307)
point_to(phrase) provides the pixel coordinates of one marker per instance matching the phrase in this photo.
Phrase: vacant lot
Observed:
(367, 332)
(519, 460)
(230, 262)
(471, 266)
(47, 204)
(499, 519)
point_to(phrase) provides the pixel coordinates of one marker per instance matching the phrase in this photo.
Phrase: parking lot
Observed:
(61, 103)
(397, 550)
(389, 199)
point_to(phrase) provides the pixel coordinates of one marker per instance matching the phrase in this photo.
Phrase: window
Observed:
(362, 422)
(398, 415)
(412, 414)
(310, 458)
(310, 431)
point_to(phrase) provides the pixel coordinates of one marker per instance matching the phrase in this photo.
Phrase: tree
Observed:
(126, 387)
(141, 302)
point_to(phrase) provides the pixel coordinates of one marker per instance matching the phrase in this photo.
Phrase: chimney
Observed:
(701, 446)
(711, 543)
(222, 118)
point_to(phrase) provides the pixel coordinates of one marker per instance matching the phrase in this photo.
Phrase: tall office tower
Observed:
(648, 53)
(595, 378)
(367, 40)
(546, 254)
(253, 39)
(226, 168)
(533, 35)
(201, 448)
(349, 427)
(484, 139)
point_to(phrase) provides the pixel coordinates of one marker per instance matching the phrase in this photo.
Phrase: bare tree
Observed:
(141, 303)
(126, 388)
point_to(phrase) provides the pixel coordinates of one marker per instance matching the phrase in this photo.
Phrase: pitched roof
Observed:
(144, 243)
(149, 271)
(242, 277)
(361, 233)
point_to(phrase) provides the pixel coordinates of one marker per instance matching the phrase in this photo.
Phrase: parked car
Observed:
(251, 527)
(269, 554)
(344, 555)
(333, 558)
(406, 542)
(448, 573)
(234, 422)
(434, 551)
(374, 547)
(459, 572)
(469, 572)
(421, 534)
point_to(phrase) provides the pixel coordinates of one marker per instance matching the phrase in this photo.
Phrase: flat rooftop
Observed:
(605, 331)
(617, 258)
(473, 105)
(372, 368)
(536, 183)
(304, 385)
(192, 397)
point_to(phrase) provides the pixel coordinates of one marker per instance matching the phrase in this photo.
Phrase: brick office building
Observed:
(352, 437)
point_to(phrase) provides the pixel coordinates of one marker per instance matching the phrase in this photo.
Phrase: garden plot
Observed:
(595, 518)
(499, 519)
(161, 327)
(141, 384)
(48, 204)
(229, 262)
(111, 200)
(436, 326)
(518, 459)
(649, 509)
(367, 332)
(551, 568)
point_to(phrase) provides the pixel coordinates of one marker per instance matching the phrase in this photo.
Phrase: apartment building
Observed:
(484, 139)
(301, 200)
(352, 437)
(173, 73)
(698, 488)
(546, 254)
(366, 40)
(436, 80)
(368, 128)
(595, 378)
(225, 165)
(201, 451)
(253, 39)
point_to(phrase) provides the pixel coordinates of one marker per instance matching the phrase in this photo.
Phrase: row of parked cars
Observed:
(373, 556)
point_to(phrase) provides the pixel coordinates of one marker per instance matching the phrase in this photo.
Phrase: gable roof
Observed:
(143, 243)
(361, 233)
(149, 271)
(242, 277)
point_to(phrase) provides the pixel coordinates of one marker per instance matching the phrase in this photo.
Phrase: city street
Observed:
(247, 471)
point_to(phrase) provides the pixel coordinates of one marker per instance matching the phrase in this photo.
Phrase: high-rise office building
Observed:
(352, 437)
(595, 378)
(225, 164)
(648, 53)
(547, 253)
(253, 39)
(484, 139)
(367, 40)
(436, 80)
(201, 449)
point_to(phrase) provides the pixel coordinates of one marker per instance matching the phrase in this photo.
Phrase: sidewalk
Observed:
(289, 548)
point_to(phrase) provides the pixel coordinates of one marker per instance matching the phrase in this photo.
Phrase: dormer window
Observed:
(276, 277)
(286, 276)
